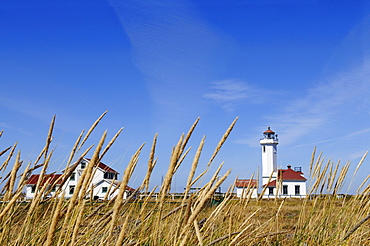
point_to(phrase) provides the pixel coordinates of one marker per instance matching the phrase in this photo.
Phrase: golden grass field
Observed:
(323, 219)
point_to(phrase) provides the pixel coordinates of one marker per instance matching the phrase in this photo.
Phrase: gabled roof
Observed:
(128, 188)
(287, 175)
(35, 177)
(244, 183)
(104, 167)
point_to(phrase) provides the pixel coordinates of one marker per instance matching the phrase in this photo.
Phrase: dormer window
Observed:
(109, 175)
(83, 164)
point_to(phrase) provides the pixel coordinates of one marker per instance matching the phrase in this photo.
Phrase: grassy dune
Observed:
(316, 220)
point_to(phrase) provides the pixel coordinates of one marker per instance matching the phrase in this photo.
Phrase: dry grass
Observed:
(316, 220)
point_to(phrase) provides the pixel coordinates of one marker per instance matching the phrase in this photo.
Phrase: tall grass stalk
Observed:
(151, 164)
(5, 163)
(126, 177)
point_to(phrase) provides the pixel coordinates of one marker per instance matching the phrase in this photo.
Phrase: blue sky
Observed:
(301, 67)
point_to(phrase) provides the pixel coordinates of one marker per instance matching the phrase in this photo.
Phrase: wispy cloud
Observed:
(26, 107)
(4, 125)
(175, 49)
(341, 138)
(337, 103)
(324, 106)
(228, 90)
(324, 109)
(232, 92)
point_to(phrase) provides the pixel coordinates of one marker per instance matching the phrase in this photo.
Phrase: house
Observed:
(103, 182)
(289, 183)
(279, 182)
(246, 188)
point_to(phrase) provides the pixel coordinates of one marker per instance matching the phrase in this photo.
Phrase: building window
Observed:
(104, 189)
(108, 175)
(297, 190)
(73, 177)
(271, 190)
(53, 189)
(71, 189)
(285, 190)
(83, 164)
(33, 189)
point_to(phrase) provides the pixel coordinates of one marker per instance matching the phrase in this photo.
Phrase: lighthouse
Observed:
(269, 144)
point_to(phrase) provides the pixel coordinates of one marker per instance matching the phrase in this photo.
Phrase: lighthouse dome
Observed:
(269, 131)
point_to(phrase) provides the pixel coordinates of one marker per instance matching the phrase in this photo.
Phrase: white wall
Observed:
(291, 190)
(269, 158)
(30, 195)
(245, 193)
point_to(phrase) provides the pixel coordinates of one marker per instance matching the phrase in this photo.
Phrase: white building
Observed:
(246, 188)
(103, 181)
(283, 182)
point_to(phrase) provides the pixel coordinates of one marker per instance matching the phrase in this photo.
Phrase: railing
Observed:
(268, 196)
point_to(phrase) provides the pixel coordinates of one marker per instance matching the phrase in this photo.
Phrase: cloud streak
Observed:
(175, 50)
(326, 105)
(230, 93)
(18, 129)
(339, 100)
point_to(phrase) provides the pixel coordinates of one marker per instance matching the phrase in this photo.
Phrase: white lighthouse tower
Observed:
(269, 144)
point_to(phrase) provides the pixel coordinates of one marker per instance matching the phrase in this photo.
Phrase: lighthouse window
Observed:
(264, 149)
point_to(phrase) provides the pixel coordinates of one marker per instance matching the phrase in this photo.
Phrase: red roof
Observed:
(244, 183)
(118, 183)
(271, 184)
(269, 131)
(128, 188)
(104, 167)
(51, 177)
(287, 175)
